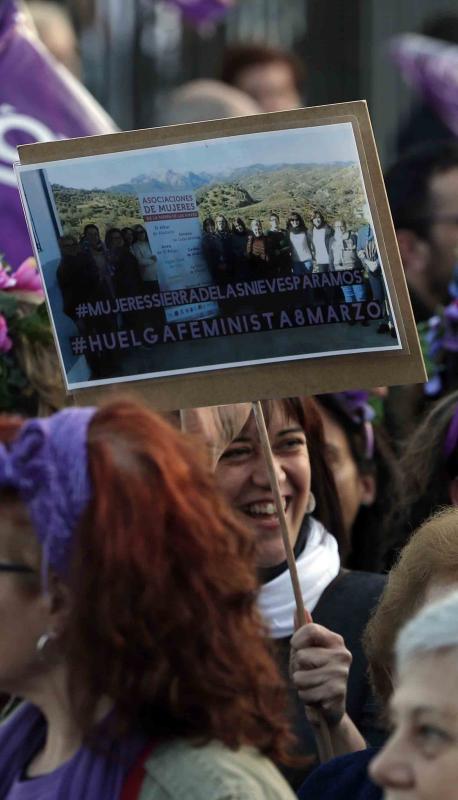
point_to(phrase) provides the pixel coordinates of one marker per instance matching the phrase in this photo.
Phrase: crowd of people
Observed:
(150, 645)
(239, 252)
(208, 680)
(93, 271)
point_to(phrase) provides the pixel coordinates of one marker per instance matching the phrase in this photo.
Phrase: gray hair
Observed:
(434, 628)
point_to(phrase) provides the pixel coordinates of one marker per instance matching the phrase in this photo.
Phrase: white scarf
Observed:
(317, 566)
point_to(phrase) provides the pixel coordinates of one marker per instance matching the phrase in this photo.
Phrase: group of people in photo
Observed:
(243, 251)
(92, 270)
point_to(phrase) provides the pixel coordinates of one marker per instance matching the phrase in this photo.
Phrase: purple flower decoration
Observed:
(6, 279)
(5, 341)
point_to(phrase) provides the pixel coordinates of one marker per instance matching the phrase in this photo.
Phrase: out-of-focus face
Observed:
(92, 236)
(274, 223)
(68, 246)
(353, 488)
(239, 226)
(128, 236)
(317, 220)
(242, 474)
(256, 227)
(271, 85)
(295, 222)
(443, 232)
(420, 759)
(116, 241)
(221, 224)
(140, 233)
(22, 605)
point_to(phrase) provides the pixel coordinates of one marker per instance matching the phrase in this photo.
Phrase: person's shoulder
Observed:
(347, 602)
(341, 778)
(211, 772)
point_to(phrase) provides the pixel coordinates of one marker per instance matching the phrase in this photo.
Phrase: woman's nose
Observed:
(391, 768)
(260, 475)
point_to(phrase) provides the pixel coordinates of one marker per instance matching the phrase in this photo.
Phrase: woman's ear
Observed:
(453, 491)
(368, 489)
(58, 599)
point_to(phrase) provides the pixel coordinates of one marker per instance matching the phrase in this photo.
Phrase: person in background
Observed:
(272, 77)
(321, 238)
(339, 600)
(422, 189)
(239, 248)
(367, 476)
(205, 99)
(301, 247)
(140, 248)
(420, 759)
(223, 241)
(426, 570)
(128, 236)
(429, 465)
(258, 251)
(370, 259)
(279, 245)
(100, 505)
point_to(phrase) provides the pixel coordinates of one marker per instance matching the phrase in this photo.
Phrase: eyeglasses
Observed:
(6, 567)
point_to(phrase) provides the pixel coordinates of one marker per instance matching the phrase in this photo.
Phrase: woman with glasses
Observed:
(127, 619)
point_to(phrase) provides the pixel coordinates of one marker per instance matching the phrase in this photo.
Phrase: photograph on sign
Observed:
(205, 255)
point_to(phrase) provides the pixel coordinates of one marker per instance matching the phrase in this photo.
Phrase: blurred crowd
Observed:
(150, 644)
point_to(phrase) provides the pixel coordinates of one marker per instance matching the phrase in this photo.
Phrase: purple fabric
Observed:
(89, 775)
(199, 12)
(451, 439)
(431, 66)
(356, 404)
(39, 101)
(47, 464)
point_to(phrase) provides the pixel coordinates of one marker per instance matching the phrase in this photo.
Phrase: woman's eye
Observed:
(292, 443)
(236, 452)
(430, 736)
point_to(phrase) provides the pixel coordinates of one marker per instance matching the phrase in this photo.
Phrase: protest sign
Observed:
(255, 255)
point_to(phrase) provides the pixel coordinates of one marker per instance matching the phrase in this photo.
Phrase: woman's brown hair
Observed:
(431, 556)
(164, 619)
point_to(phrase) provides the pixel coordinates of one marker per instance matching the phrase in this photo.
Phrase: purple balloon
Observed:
(39, 101)
(431, 67)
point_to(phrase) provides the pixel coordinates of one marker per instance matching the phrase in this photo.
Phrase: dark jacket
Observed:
(344, 607)
(343, 778)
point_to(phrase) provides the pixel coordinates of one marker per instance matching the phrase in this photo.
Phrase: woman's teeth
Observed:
(263, 509)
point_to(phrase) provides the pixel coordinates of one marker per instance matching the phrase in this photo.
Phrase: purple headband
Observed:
(451, 439)
(47, 464)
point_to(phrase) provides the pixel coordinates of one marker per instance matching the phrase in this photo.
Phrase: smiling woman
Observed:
(340, 600)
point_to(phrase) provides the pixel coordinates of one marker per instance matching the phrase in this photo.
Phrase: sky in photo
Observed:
(321, 145)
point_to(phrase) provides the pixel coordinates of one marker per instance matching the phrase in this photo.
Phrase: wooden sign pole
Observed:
(320, 726)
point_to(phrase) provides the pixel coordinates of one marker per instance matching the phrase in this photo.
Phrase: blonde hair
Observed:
(430, 555)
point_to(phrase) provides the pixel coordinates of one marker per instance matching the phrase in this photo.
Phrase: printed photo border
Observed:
(307, 375)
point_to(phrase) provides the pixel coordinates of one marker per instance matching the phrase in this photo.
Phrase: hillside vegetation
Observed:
(336, 189)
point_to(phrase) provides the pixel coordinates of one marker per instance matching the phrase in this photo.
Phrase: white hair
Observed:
(435, 627)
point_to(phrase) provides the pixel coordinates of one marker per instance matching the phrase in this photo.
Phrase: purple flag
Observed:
(39, 101)
(431, 66)
(201, 11)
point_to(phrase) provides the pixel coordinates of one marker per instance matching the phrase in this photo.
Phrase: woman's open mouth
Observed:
(264, 510)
